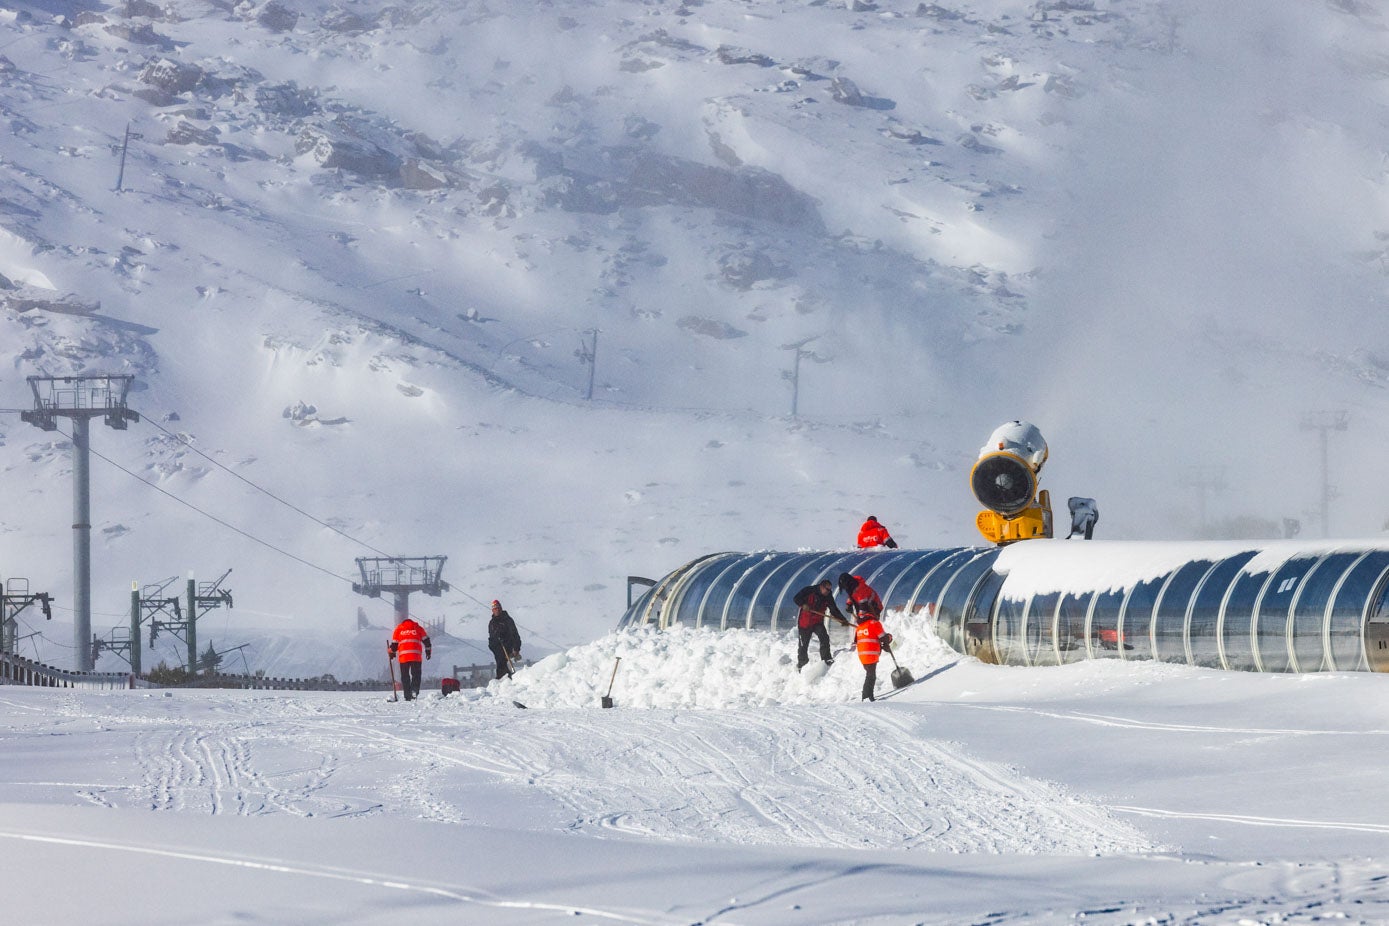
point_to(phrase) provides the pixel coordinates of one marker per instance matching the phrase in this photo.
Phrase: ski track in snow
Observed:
(1159, 726)
(800, 776)
(789, 775)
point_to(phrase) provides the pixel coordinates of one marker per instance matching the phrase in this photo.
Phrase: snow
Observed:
(722, 787)
(1060, 565)
(1154, 228)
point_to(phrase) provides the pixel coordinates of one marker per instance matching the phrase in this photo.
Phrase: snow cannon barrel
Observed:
(1004, 480)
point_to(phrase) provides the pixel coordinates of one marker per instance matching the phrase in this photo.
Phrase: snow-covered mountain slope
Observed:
(357, 255)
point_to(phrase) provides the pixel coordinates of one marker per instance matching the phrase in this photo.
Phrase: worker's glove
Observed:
(890, 544)
(428, 654)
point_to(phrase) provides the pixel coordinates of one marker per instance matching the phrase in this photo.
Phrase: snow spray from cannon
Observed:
(608, 698)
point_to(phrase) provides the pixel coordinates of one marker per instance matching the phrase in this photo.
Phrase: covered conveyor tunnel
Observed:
(1275, 607)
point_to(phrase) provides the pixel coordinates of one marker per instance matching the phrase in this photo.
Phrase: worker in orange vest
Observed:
(869, 640)
(873, 534)
(410, 646)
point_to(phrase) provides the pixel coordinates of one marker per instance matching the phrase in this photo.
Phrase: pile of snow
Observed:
(704, 668)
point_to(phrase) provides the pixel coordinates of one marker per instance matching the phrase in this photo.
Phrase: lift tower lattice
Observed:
(400, 575)
(15, 597)
(81, 398)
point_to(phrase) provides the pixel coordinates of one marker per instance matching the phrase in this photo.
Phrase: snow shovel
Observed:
(608, 698)
(901, 677)
(390, 664)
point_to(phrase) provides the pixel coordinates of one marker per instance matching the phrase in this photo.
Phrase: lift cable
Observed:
(287, 504)
(213, 517)
(290, 505)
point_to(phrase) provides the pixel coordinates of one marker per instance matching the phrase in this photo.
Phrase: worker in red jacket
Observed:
(409, 646)
(873, 534)
(862, 601)
(815, 601)
(869, 640)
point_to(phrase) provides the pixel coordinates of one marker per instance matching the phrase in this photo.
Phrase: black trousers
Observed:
(803, 650)
(870, 680)
(503, 664)
(410, 679)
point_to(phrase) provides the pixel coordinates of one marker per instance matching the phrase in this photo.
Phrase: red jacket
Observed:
(869, 639)
(409, 642)
(863, 601)
(814, 605)
(873, 534)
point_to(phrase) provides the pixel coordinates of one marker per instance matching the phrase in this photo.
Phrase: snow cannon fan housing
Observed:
(1004, 480)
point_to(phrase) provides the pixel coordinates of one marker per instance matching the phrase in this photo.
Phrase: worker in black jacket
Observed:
(503, 639)
(815, 601)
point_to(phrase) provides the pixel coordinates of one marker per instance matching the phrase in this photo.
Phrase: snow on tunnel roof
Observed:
(1036, 567)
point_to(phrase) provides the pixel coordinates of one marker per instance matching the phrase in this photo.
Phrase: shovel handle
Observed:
(613, 677)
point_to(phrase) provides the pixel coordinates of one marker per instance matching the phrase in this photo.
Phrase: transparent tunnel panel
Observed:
(1104, 624)
(1309, 612)
(1136, 620)
(1072, 626)
(1169, 613)
(684, 607)
(771, 582)
(974, 637)
(1040, 631)
(639, 607)
(1275, 608)
(950, 606)
(886, 567)
(1377, 628)
(720, 589)
(1350, 605)
(903, 587)
(1008, 630)
(737, 608)
(1203, 622)
(1237, 621)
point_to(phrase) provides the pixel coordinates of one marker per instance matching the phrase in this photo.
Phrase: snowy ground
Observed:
(722, 788)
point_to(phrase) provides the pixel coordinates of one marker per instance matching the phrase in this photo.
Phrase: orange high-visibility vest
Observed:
(868, 638)
(409, 639)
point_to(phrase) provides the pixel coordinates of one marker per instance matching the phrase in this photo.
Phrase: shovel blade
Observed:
(901, 678)
(607, 702)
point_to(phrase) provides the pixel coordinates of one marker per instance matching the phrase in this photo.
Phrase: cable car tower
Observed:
(81, 398)
(401, 575)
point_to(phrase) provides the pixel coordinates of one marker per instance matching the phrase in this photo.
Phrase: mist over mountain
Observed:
(524, 284)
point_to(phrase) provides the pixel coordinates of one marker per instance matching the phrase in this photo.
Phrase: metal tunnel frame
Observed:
(1280, 606)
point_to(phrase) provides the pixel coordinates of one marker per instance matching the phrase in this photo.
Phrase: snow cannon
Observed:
(1004, 480)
